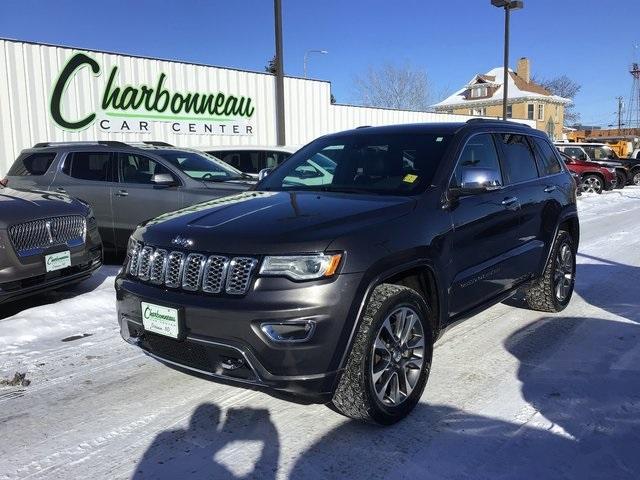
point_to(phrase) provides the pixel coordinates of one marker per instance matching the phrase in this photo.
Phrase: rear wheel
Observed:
(591, 184)
(636, 178)
(390, 360)
(554, 290)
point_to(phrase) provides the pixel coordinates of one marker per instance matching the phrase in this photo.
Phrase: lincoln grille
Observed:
(193, 272)
(31, 238)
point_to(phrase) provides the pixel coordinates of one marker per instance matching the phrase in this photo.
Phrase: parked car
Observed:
(627, 169)
(336, 292)
(126, 184)
(593, 177)
(47, 241)
(250, 159)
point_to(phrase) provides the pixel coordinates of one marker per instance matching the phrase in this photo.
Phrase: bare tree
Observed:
(564, 87)
(393, 86)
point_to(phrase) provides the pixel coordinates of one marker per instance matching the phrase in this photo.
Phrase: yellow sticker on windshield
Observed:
(410, 178)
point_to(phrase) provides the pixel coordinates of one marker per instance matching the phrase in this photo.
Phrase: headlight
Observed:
(302, 267)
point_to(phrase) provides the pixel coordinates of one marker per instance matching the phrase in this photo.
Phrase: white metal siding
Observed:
(30, 70)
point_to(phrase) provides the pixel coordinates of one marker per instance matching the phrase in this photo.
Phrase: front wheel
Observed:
(389, 363)
(591, 184)
(621, 180)
(552, 292)
(636, 178)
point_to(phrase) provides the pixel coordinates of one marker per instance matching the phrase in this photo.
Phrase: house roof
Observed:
(519, 90)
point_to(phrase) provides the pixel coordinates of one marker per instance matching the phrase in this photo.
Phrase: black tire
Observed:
(621, 180)
(355, 396)
(635, 178)
(543, 295)
(592, 184)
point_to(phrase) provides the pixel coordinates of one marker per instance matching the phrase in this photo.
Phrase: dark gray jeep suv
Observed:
(126, 183)
(336, 290)
(47, 240)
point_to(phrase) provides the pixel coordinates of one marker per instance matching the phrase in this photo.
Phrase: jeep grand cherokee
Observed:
(336, 290)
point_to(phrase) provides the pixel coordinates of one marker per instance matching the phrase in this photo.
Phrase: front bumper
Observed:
(219, 331)
(25, 276)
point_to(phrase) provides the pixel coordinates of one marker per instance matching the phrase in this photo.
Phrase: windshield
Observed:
(601, 153)
(201, 166)
(396, 164)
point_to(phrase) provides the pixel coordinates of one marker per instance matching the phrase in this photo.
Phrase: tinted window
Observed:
(575, 152)
(200, 166)
(518, 165)
(244, 160)
(548, 162)
(479, 152)
(95, 166)
(34, 164)
(138, 169)
(387, 164)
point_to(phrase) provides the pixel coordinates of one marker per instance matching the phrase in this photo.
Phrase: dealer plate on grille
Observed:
(57, 261)
(160, 319)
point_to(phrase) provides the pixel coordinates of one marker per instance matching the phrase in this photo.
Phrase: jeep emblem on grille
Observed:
(182, 242)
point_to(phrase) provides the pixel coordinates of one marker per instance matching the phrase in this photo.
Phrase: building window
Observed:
(477, 92)
(509, 111)
(530, 111)
(478, 111)
(540, 111)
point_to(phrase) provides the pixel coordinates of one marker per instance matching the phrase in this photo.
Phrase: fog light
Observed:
(289, 332)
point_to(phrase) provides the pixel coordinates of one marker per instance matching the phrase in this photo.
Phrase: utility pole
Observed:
(280, 119)
(620, 106)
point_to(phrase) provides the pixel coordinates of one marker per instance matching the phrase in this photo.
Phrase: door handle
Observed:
(550, 188)
(121, 193)
(509, 201)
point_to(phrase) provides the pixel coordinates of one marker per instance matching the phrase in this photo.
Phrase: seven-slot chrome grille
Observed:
(30, 238)
(191, 272)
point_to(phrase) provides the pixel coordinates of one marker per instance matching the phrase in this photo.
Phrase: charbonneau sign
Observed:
(132, 108)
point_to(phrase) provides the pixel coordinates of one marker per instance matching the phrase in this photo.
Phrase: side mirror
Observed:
(479, 180)
(163, 180)
(264, 172)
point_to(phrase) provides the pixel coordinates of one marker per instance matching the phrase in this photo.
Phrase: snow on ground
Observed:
(512, 393)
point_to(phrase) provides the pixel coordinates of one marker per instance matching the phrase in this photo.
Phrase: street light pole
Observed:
(280, 119)
(508, 5)
(306, 57)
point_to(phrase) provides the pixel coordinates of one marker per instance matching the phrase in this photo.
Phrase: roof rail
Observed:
(109, 143)
(157, 143)
(363, 126)
(495, 120)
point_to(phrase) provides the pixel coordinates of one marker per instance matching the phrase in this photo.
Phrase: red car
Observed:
(594, 178)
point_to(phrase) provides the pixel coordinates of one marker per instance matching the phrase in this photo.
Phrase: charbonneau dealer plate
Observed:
(57, 261)
(159, 319)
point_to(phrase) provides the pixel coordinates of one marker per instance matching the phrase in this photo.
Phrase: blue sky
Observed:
(591, 41)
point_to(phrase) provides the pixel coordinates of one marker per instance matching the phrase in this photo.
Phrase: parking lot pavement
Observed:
(512, 393)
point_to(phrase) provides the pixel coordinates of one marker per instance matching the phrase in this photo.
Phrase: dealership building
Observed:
(52, 93)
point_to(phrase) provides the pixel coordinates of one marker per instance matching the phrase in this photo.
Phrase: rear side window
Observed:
(95, 166)
(519, 164)
(244, 160)
(479, 152)
(547, 160)
(34, 164)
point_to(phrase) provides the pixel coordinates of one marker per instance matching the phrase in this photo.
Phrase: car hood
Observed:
(271, 222)
(17, 206)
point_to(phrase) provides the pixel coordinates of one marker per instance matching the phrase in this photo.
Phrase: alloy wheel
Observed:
(636, 179)
(591, 185)
(397, 357)
(564, 274)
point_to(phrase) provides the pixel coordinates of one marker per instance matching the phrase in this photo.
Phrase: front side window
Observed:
(479, 152)
(200, 166)
(519, 164)
(575, 153)
(93, 166)
(394, 164)
(34, 164)
(139, 169)
(548, 162)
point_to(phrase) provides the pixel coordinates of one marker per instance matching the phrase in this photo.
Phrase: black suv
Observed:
(335, 288)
